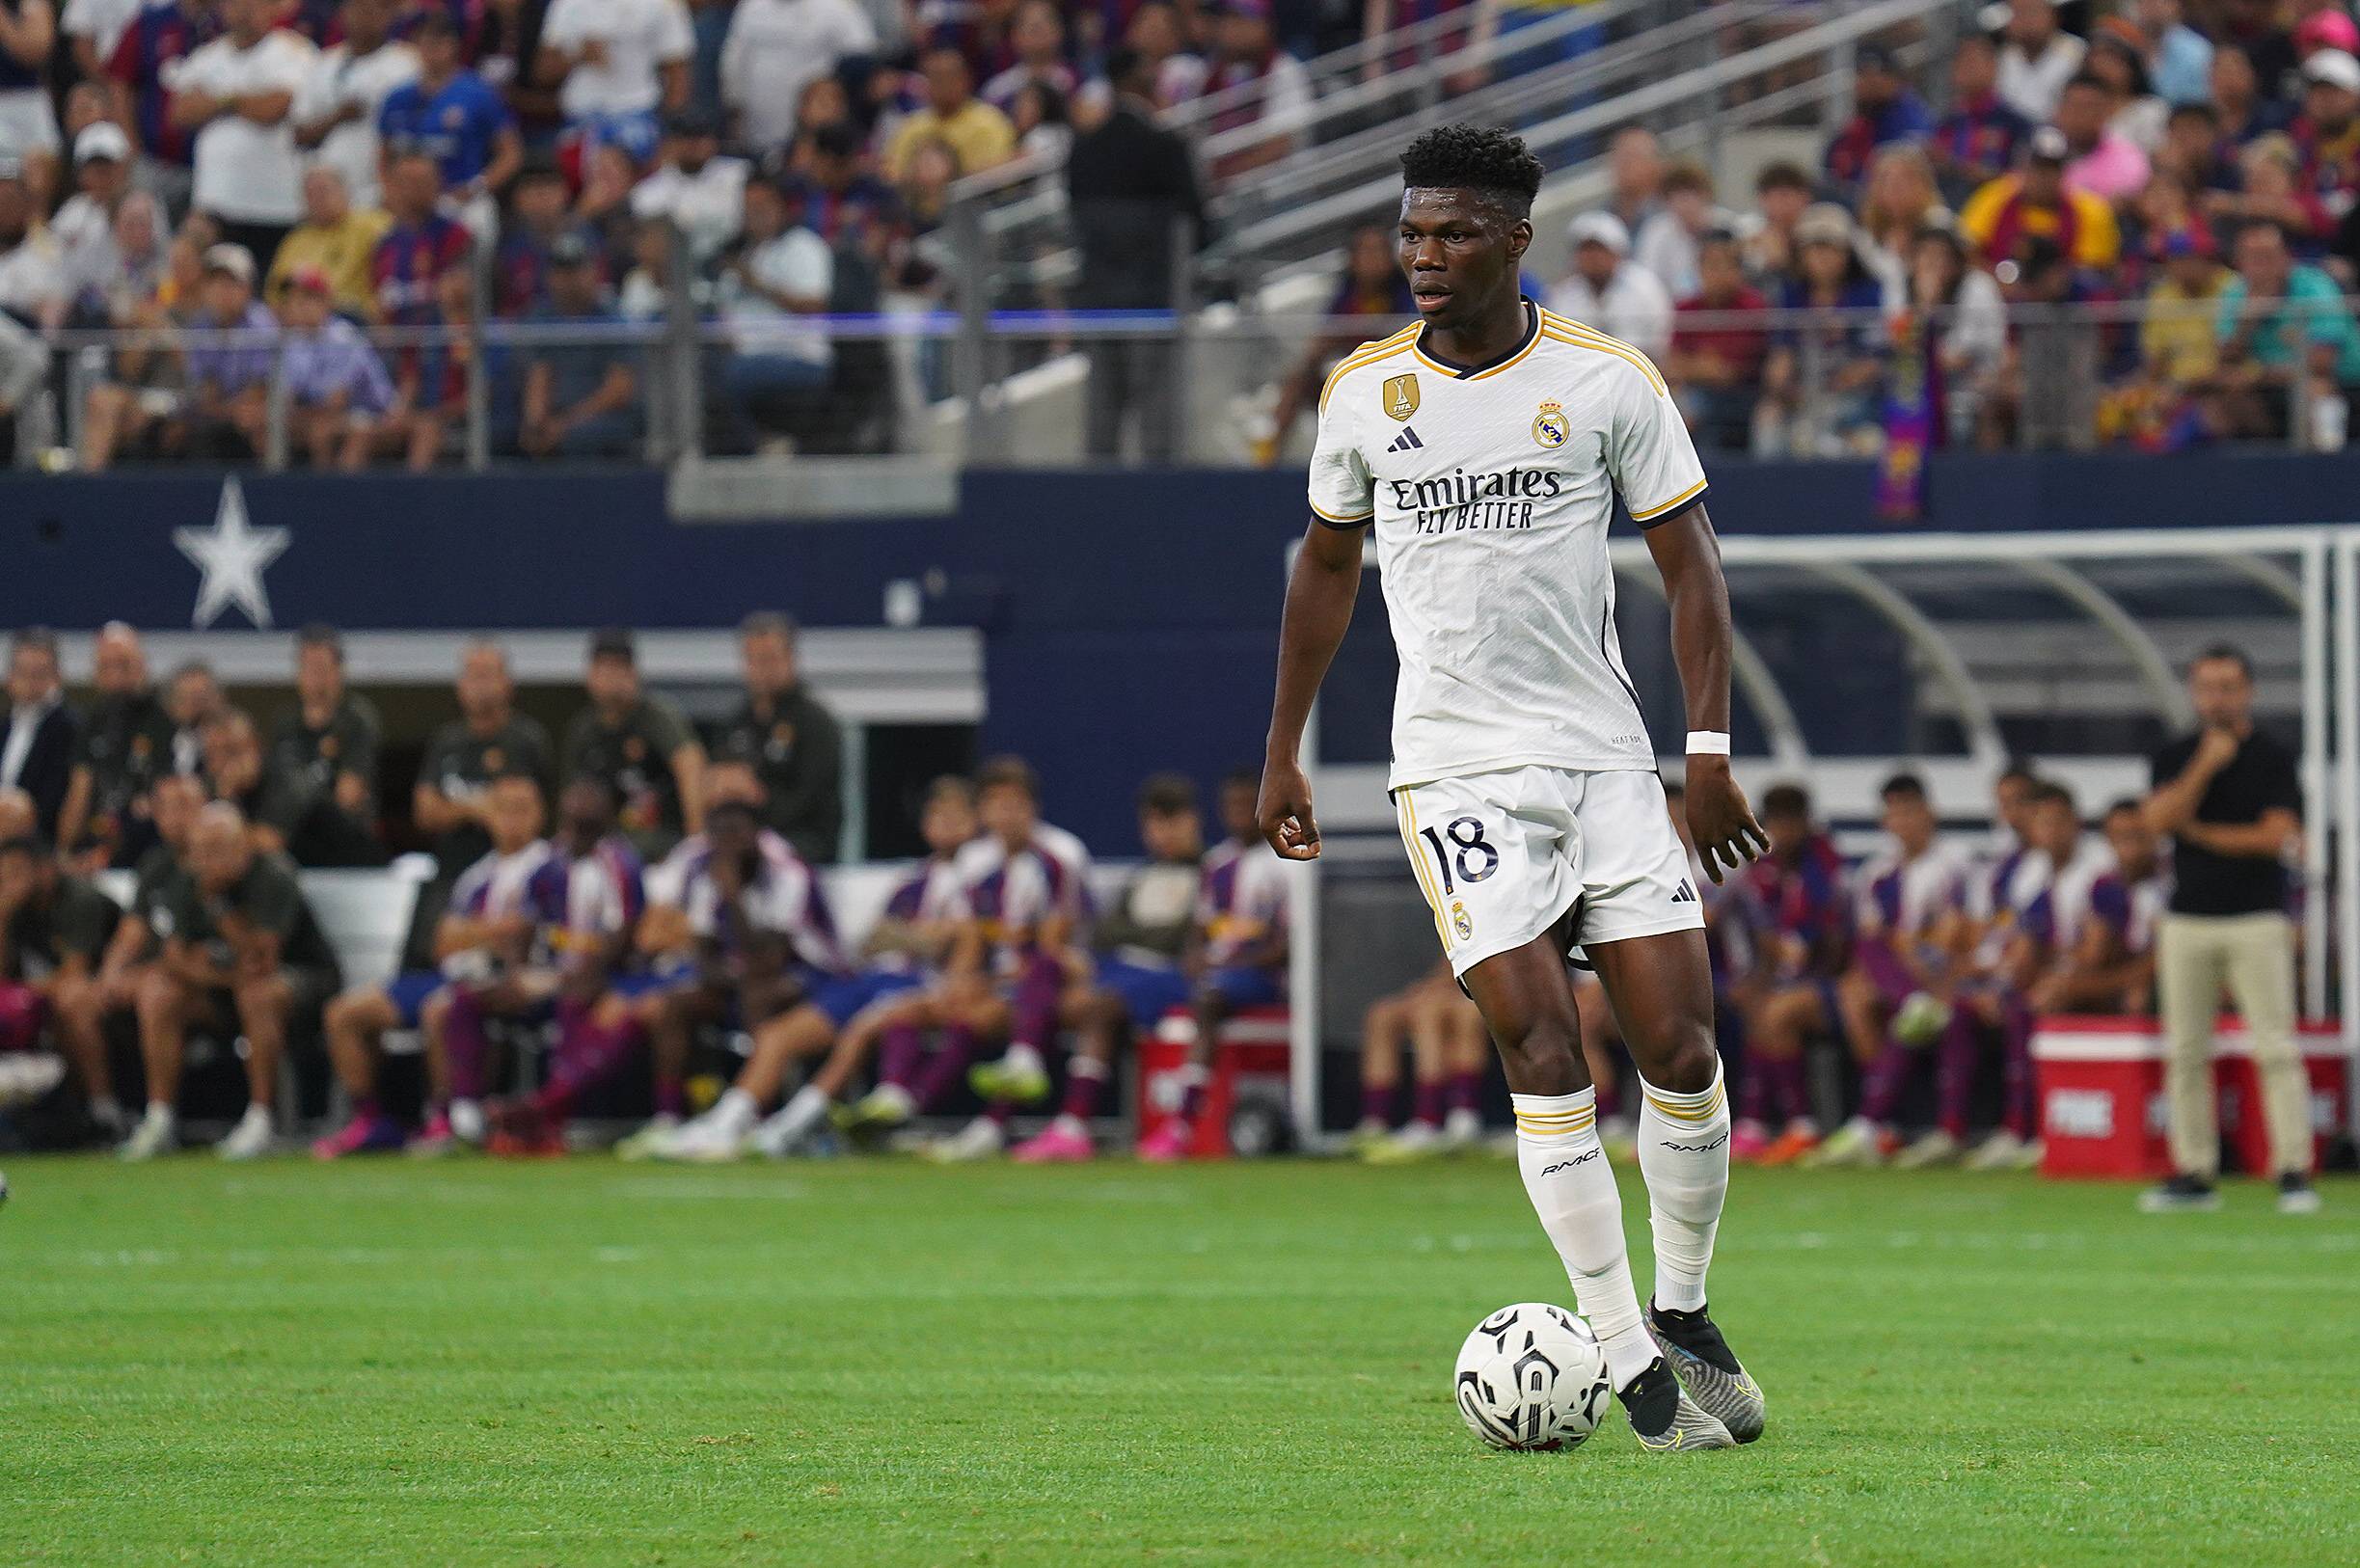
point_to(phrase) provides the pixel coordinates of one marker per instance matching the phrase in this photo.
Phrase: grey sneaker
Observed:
(2180, 1195)
(2296, 1195)
(1709, 1370)
(1665, 1419)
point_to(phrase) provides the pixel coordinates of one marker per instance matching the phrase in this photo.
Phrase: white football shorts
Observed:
(1500, 856)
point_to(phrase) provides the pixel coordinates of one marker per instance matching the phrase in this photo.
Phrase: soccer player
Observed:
(2104, 940)
(1242, 913)
(1908, 932)
(1796, 894)
(1488, 446)
(1444, 1032)
(242, 950)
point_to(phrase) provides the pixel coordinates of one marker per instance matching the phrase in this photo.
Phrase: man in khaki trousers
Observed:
(2229, 797)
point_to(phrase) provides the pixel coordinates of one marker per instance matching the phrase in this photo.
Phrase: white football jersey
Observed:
(1491, 489)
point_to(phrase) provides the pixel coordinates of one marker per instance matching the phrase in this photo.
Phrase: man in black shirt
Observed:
(325, 754)
(2229, 797)
(39, 733)
(241, 949)
(126, 741)
(639, 746)
(237, 771)
(488, 739)
(791, 741)
(53, 931)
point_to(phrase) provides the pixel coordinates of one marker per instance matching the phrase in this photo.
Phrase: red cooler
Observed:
(1251, 1061)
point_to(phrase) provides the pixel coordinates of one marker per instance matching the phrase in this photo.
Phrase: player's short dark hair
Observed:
(1009, 773)
(1166, 795)
(1475, 158)
(1787, 800)
(1903, 786)
(2127, 803)
(2225, 653)
(2049, 793)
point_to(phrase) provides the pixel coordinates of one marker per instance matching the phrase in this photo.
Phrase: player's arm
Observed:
(1321, 590)
(1688, 556)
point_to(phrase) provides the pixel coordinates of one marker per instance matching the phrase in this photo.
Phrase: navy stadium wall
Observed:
(1130, 618)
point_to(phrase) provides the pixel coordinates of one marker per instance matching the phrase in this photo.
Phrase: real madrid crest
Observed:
(1401, 396)
(1461, 922)
(1550, 427)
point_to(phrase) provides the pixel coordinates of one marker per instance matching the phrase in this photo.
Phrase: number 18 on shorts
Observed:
(1502, 856)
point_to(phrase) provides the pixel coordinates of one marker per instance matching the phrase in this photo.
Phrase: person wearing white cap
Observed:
(28, 124)
(1607, 291)
(2328, 129)
(84, 226)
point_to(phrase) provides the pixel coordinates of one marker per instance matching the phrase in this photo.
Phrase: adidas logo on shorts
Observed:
(1684, 893)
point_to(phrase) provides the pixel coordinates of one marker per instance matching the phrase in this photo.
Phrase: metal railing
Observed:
(1212, 387)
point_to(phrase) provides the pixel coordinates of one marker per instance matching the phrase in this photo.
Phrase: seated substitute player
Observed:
(173, 802)
(1796, 893)
(1242, 913)
(1489, 445)
(491, 923)
(903, 951)
(242, 952)
(1899, 994)
(54, 931)
(1147, 943)
(1444, 1032)
(2104, 943)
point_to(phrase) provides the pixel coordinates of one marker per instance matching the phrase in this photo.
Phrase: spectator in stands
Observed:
(243, 950)
(150, 48)
(2178, 57)
(1976, 141)
(537, 219)
(695, 187)
(624, 64)
(2270, 190)
(1960, 308)
(192, 698)
(2285, 330)
(171, 804)
(1634, 175)
(32, 267)
(924, 191)
(238, 770)
(40, 734)
(2036, 58)
(2229, 797)
(1277, 102)
(1886, 109)
(342, 102)
(1604, 290)
(84, 226)
(2116, 59)
(1372, 296)
(834, 196)
(1667, 243)
(456, 119)
(603, 210)
(127, 743)
(1717, 369)
(2193, 151)
(646, 293)
(2178, 346)
(234, 96)
(775, 49)
(335, 241)
(789, 740)
(978, 134)
(54, 931)
(2037, 204)
(337, 392)
(28, 121)
(326, 751)
(1130, 186)
(2099, 160)
(91, 28)
(581, 399)
(1038, 37)
(2245, 110)
(229, 374)
(1781, 193)
(1043, 120)
(1840, 413)
(640, 746)
(488, 739)
(1899, 199)
(779, 363)
(2327, 131)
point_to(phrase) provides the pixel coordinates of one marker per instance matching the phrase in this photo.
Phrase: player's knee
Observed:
(1542, 1049)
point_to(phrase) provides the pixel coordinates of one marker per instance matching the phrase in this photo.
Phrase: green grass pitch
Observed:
(873, 1363)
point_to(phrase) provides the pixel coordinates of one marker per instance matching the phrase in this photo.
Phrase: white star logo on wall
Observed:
(233, 555)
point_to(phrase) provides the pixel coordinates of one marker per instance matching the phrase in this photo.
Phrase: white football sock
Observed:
(805, 1110)
(1572, 1188)
(1684, 1157)
(736, 1112)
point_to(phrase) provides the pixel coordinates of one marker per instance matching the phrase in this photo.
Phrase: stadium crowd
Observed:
(631, 896)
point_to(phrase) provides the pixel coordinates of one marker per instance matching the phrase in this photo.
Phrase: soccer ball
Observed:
(1532, 1376)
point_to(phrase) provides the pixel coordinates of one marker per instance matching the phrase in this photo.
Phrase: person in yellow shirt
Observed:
(336, 240)
(2035, 203)
(2179, 341)
(978, 133)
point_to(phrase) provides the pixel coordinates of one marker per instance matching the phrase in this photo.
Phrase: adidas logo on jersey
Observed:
(1406, 442)
(1684, 893)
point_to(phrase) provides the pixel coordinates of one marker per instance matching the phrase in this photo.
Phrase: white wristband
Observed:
(1708, 742)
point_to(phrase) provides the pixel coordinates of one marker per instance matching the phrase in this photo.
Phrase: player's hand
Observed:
(1283, 812)
(1718, 820)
